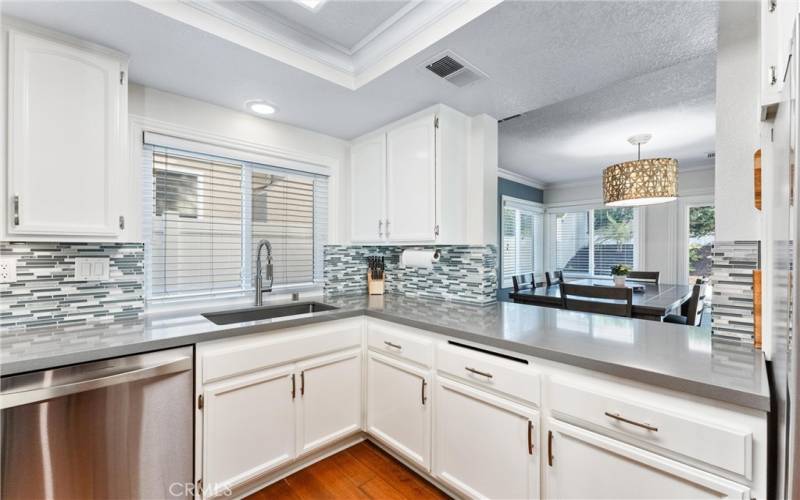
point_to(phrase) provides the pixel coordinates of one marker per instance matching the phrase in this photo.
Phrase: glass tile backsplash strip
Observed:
(464, 273)
(732, 282)
(47, 293)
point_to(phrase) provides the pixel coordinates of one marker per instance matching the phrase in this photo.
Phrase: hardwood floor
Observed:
(361, 471)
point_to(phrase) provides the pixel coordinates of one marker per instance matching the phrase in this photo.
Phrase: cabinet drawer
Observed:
(493, 372)
(718, 443)
(400, 342)
(257, 352)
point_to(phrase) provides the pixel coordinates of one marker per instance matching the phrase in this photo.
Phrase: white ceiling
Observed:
(536, 54)
(342, 23)
(578, 137)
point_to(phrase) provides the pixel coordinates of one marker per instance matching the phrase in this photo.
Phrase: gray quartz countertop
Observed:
(676, 357)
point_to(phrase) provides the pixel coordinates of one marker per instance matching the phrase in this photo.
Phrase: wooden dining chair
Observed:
(613, 300)
(558, 277)
(694, 311)
(645, 276)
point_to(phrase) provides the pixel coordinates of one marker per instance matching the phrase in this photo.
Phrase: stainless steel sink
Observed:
(266, 312)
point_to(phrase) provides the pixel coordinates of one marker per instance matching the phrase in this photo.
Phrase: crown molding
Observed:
(521, 179)
(413, 28)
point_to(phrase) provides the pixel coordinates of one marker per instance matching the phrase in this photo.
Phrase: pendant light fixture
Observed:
(640, 182)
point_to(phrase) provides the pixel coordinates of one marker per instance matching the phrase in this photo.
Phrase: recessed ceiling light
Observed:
(260, 107)
(312, 5)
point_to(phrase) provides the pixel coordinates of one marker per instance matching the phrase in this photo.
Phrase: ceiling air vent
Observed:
(454, 69)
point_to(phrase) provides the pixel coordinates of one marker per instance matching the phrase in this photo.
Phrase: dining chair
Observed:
(558, 277)
(694, 311)
(616, 301)
(519, 282)
(646, 276)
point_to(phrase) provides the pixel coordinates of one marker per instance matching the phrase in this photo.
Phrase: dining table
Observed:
(653, 301)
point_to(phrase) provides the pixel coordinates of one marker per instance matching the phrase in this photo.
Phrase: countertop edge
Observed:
(751, 400)
(740, 398)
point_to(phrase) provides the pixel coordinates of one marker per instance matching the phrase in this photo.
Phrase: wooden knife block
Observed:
(375, 286)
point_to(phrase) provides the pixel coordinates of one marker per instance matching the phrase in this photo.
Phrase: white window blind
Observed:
(589, 242)
(613, 239)
(205, 215)
(522, 227)
(571, 242)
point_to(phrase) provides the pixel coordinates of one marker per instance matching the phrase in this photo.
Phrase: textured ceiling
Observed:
(535, 54)
(578, 137)
(342, 22)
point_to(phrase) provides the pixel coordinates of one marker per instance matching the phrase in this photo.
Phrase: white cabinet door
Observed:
(66, 108)
(485, 446)
(248, 427)
(329, 399)
(411, 181)
(368, 189)
(398, 407)
(582, 464)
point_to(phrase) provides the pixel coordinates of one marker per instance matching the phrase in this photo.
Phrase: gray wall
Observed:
(506, 187)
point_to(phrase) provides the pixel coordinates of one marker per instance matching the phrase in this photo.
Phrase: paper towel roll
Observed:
(419, 258)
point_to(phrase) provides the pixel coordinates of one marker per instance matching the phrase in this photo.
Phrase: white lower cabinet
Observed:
(329, 399)
(470, 419)
(485, 446)
(398, 406)
(248, 427)
(582, 464)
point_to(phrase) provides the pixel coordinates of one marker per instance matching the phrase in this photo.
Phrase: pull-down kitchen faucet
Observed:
(259, 281)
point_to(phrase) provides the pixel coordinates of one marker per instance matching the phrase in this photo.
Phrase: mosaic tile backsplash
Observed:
(46, 292)
(464, 273)
(732, 281)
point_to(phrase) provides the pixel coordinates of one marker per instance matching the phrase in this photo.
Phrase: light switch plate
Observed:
(91, 269)
(8, 270)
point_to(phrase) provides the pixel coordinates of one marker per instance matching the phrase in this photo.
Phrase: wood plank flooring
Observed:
(361, 471)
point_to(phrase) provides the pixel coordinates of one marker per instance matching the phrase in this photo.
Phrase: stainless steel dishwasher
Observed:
(119, 428)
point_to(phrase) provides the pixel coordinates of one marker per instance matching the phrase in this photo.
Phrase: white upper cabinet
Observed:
(368, 189)
(67, 107)
(408, 180)
(411, 181)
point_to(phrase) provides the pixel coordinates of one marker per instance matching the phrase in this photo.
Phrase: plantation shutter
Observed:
(613, 239)
(571, 242)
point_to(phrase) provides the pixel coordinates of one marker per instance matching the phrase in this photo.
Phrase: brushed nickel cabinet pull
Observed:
(387, 228)
(16, 210)
(550, 448)
(294, 387)
(530, 437)
(392, 344)
(424, 383)
(380, 229)
(617, 416)
(478, 372)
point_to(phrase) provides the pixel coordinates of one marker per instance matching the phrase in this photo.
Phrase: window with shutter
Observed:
(589, 242)
(522, 251)
(204, 216)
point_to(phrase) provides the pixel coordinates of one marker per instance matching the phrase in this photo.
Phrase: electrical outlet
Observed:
(8, 270)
